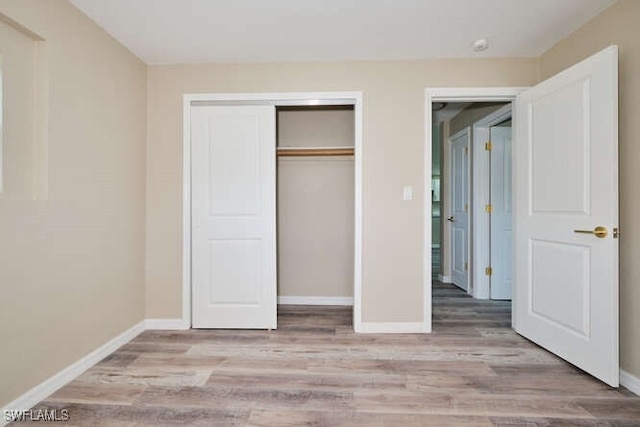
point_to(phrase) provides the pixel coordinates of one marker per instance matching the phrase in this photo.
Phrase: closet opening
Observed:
(248, 200)
(315, 205)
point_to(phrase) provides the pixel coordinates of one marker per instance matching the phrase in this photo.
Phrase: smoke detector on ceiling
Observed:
(480, 45)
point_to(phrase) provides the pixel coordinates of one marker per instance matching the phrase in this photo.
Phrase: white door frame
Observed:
(277, 99)
(443, 94)
(481, 195)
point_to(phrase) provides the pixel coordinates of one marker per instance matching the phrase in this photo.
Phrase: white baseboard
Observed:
(315, 300)
(392, 328)
(630, 382)
(71, 372)
(445, 279)
(167, 324)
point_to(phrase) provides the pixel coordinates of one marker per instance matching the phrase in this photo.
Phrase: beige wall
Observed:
(315, 205)
(617, 25)
(18, 51)
(393, 93)
(315, 226)
(72, 274)
(316, 127)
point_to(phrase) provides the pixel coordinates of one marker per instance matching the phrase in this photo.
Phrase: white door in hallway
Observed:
(233, 217)
(501, 228)
(566, 215)
(459, 217)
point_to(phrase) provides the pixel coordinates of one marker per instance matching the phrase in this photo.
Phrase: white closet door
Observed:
(233, 217)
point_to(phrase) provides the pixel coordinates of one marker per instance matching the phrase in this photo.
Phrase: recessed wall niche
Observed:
(23, 121)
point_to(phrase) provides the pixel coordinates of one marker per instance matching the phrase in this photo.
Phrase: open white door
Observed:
(501, 212)
(233, 217)
(566, 189)
(460, 208)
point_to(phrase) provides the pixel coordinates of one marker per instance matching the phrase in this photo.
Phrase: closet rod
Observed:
(296, 152)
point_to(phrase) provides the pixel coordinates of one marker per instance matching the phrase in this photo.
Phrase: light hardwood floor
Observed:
(473, 370)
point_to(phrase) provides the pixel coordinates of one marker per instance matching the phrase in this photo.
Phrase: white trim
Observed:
(278, 98)
(445, 279)
(71, 372)
(427, 179)
(166, 324)
(289, 300)
(392, 327)
(455, 94)
(473, 94)
(186, 210)
(293, 98)
(481, 194)
(357, 270)
(630, 382)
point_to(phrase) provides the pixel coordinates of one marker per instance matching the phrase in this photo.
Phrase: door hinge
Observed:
(466, 207)
(488, 146)
(616, 232)
(466, 150)
(488, 271)
(466, 266)
(488, 208)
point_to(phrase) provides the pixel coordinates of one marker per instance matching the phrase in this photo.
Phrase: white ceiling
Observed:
(197, 31)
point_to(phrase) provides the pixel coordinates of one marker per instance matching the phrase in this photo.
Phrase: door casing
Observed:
(276, 99)
(481, 195)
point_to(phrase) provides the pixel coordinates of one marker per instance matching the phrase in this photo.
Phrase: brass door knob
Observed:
(600, 232)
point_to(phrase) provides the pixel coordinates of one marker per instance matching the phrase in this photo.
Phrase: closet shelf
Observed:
(315, 151)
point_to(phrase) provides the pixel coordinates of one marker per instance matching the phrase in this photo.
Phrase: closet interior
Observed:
(315, 204)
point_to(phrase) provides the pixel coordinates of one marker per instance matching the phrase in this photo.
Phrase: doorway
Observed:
(475, 173)
(434, 161)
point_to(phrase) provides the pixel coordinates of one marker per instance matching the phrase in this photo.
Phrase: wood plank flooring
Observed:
(473, 370)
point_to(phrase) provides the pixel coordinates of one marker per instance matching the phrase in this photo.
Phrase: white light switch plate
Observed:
(407, 192)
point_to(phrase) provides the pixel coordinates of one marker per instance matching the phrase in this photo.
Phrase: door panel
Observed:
(233, 217)
(460, 209)
(555, 263)
(235, 163)
(566, 184)
(559, 126)
(237, 262)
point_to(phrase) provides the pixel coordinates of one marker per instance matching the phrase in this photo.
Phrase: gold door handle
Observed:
(600, 232)
(451, 219)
